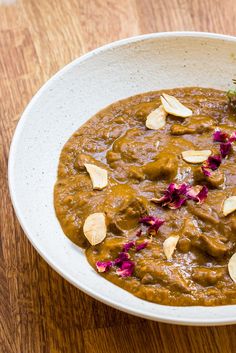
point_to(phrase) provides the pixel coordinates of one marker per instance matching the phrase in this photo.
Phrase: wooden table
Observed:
(40, 311)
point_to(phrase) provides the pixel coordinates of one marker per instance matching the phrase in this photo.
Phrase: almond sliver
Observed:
(169, 246)
(156, 119)
(95, 228)
(98, 176)
(232, 267)
(173, 106)
(229, 205)
(193, 156)
(157, 145)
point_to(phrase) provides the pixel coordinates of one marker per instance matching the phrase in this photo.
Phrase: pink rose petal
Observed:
(225, 149)
(220, 136)
(142, 246)
(206, 171)
(126, 269)
(177, 203)
(103, 266)
(154, 223)
(174, 196)
(198, 196)
(213, 162)
(123, 256)
(232, 137)
(128, 246)
(226, 142)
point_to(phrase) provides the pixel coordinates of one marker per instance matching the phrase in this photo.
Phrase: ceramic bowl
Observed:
(67, 100)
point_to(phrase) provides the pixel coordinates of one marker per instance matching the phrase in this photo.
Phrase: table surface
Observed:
(39, 310)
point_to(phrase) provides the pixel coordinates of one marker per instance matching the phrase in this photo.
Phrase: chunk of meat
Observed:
(112, 157)
(213, 246)
(232, 224)
(136, 173)
(110, 247)
(164, 273)
(129, 146)
(190, 234)
(83, 158)
(201, 123)
(177, 129)
(147, 279)
(123, 208)
(204, 213)
(215, 180)
(164, 167)
(189, 228)
(196, 125)
(184, 244)
(207, 276)
(198, 174)
(133, 147)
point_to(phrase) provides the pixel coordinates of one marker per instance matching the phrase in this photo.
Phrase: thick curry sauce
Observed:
(141, 163)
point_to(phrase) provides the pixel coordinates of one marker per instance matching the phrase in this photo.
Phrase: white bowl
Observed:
(67, 100)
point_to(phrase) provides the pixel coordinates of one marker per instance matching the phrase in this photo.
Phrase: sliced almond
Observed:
(98, 176)
(157, 144)
(169, 246)
(192, 156)
(229, 205)
(232, 267)
(95, 228)
(156, 119)
(173, 106)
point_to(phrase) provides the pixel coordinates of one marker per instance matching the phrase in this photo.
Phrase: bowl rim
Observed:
(13, 148)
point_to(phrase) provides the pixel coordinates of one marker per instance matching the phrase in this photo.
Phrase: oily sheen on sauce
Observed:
(141, 163)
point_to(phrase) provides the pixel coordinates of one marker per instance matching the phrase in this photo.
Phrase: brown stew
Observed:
(116, 139)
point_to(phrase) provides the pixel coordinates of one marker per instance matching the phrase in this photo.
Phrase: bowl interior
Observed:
(65, 102)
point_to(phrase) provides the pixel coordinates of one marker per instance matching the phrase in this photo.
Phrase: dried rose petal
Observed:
(199, 196)
(126, 269)
(139, 233)
(225, 149)
(177, 204)
(142, 245)
(148, 220)
(103, 266)
(164, 200)
(123, 256)
(202, 195)
(220, 136)
(192, 193)
(232, 137)
(213, 162)
(226, 141)
(128, 246)
(154, 223)
(172, 187)
(206, 171)
(183, 188)
(175, 196)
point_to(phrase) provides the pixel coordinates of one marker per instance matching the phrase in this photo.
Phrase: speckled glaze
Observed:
(115, 71)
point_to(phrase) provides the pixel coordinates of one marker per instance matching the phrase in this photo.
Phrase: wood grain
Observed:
(40, 311)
